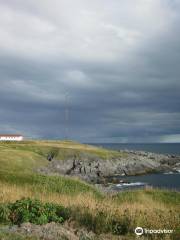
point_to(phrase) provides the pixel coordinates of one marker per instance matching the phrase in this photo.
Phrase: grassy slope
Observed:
(18, 161)
(62, 148)
(17, 179)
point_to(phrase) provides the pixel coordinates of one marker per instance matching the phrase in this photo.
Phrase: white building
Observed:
(11, 137)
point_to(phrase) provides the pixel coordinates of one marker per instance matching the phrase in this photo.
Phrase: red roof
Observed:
(10, 135)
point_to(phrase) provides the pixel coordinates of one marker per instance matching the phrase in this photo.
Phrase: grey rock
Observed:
(91, 168)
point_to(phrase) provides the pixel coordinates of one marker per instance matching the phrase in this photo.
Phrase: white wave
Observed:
(130, 184)
(177, 172)
(167, 173)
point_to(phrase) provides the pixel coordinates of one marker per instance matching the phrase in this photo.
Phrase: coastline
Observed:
(68, 175)
(128, 163)
(107, 173)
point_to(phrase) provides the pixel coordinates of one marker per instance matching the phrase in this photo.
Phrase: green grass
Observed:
(157, 195)
(63, 149)
(128, 197)
(118, 214)
(21, 160)
(164, 196)
(50, 184)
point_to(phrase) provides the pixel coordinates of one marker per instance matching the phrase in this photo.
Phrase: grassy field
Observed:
(110, 214)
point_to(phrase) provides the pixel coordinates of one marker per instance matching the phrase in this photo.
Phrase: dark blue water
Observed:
(165, 181)
(164, 148)
(169, 181)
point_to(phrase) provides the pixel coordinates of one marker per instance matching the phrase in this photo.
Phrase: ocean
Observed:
(164, 148)
(165, 181)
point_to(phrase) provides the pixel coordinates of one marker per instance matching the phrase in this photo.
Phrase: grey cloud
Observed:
(113, 65)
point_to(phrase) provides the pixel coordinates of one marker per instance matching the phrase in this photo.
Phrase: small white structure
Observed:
(11, 137)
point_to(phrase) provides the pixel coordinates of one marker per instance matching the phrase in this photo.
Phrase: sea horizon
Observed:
(161, 148)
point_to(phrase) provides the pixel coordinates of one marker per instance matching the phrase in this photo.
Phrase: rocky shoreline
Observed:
(94, 169)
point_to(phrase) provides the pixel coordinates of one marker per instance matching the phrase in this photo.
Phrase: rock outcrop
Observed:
(94, 169)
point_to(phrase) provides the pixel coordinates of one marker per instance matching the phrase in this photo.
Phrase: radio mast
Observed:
(66, 116)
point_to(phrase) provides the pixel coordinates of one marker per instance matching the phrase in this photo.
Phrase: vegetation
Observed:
(10, 236)
(31, 151)
(33, 211)
(62, 198)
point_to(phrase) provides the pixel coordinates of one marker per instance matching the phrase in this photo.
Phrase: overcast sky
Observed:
(91, 70)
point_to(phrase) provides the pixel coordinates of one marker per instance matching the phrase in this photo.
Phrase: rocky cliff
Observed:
(92, 168)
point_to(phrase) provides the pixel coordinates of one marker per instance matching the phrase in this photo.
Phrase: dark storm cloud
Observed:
(113, 65)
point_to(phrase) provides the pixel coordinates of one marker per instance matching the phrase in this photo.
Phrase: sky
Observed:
(90, 70)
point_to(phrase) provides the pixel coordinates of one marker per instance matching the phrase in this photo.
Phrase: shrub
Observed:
(65, 213)
(27, 210)
(121, 225)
